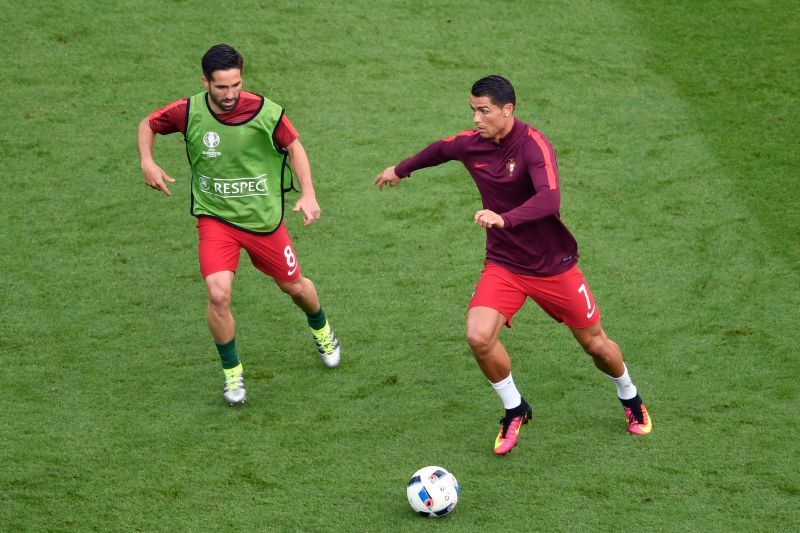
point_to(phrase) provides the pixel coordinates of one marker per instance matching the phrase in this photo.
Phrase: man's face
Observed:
(491, 121)
(223, 89)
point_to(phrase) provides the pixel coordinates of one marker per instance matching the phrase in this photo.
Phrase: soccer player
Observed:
(237, 143)
(529, 250)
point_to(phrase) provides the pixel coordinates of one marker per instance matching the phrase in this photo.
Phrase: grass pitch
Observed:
(676, 131)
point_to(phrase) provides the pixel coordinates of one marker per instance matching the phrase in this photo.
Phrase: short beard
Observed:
(223, 107)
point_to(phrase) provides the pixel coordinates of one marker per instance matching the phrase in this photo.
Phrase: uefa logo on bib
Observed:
(211, 140)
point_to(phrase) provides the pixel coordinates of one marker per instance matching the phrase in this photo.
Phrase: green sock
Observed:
(317, 320)
(228, 354)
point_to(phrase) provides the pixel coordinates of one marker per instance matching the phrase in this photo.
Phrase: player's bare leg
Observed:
(304, 295)
(218, 312)
(605, 353)
(607, 357)
(222, 326)
(483, 331)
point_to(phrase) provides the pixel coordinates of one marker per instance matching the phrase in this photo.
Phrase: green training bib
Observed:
(236, 169)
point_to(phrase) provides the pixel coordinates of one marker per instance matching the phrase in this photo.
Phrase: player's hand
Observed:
(309, 207)
(387, 177)
(154, 177)
(488, 219)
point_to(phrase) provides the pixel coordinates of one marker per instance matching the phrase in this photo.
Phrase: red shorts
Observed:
(565, 297)
(220, 244)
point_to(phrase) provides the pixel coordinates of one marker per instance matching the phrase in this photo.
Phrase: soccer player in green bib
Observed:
(238, 144)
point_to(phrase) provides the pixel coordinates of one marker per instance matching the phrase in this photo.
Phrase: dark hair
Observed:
(497, 88)
(221, 57)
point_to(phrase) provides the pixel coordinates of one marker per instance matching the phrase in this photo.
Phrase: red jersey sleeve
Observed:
(434, 154)
(170, 118)
(285, 134)
(542, 162)
(543, 171)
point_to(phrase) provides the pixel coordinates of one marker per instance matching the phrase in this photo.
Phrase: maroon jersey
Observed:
(172, 118)
(518, 180)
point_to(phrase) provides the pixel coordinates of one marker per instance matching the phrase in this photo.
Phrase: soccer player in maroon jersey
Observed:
(529, 250)
(235, 218)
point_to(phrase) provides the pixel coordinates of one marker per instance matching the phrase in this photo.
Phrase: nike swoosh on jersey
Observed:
(481, 165)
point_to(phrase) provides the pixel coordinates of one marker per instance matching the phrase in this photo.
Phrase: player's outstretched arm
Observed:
(154, 176)
(307, 203)
(387, 177)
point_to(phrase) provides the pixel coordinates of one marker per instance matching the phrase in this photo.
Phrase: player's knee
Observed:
(595, 346)
(479, 339)
(295, 289)
(219, 298)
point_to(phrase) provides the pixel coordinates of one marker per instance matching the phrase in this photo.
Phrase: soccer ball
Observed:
(433, 491)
